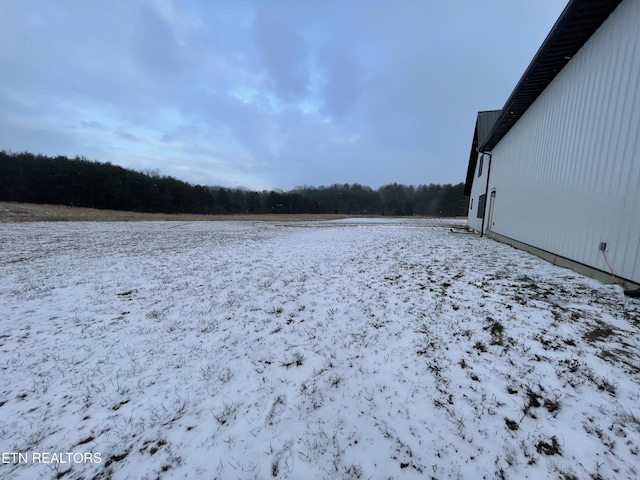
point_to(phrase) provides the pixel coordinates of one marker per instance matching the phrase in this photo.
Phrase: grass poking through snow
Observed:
(349, 349)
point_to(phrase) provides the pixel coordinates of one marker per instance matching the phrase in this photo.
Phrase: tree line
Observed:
(27, 177)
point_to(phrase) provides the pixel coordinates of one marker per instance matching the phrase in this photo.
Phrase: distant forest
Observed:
(26, 177)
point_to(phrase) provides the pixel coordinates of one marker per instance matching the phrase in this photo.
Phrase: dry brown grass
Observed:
(11, 212)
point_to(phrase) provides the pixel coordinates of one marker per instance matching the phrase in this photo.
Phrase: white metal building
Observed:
(558, 170)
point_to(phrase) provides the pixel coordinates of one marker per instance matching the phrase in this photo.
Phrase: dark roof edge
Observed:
(577, 23)
(471, 166)
(484, 119)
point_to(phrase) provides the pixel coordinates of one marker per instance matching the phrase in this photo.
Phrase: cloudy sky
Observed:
(263, 93)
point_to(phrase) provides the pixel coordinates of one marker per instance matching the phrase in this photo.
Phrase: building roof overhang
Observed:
(576, 24)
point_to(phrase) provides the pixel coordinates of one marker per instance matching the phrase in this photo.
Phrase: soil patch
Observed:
(11, 212)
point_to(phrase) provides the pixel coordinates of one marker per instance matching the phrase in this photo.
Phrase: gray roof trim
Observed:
(577, 23)
(484, 122)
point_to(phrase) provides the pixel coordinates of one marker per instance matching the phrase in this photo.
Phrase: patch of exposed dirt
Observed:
(11, 212)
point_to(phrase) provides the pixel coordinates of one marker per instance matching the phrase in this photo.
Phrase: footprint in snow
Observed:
(277, 409)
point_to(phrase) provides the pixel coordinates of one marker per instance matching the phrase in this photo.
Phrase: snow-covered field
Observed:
(341, 350)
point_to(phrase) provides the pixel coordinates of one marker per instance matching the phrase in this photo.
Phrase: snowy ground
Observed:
(339, 350)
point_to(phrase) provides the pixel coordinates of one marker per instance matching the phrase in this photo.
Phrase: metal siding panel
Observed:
(567, 175)
(622, 145)
(630, 180)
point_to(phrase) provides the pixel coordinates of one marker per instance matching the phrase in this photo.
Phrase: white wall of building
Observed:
(477, 188)
(567, 175)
